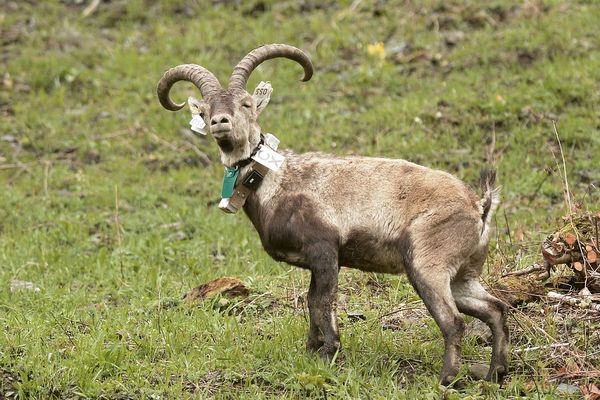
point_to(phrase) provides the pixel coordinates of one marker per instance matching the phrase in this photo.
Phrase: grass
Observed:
(108, 208)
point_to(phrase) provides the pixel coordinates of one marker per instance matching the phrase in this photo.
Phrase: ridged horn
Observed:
(199, 76)
(242, 71)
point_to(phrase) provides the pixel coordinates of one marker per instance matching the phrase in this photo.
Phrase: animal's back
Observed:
(373, 203)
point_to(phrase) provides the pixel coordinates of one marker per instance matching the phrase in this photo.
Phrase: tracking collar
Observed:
(262, 158)
(246, 161)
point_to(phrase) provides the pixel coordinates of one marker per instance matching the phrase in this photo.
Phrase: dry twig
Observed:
(574, 301)
(528, 270)
(89, 10)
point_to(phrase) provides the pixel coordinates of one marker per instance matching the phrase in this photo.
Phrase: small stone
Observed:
(567, 389)
(177, 236)
(356, 316)
(453, 37)
(478, 371)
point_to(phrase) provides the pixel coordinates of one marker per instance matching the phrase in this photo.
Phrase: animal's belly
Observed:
(372, 253)
(371, 267)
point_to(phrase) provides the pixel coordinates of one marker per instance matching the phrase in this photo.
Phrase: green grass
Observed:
(82, 133)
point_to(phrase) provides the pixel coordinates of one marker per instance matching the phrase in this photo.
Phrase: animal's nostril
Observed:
(219, 120)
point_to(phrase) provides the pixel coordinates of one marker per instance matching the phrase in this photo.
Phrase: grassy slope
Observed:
(78, 101)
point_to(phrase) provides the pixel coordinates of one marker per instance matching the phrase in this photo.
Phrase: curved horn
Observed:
(199, 76)
(242, 71)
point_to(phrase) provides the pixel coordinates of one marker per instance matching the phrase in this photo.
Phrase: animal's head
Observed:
(230, 113)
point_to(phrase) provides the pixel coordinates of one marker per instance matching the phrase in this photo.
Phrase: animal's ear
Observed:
(195, 105)
(262, 95)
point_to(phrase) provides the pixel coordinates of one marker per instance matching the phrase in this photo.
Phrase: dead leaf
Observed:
(570, 239)
(593, 389)
(569, 367)
(228, 287)
(590, 392)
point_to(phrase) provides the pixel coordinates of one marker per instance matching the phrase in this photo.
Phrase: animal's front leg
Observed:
(323, 335)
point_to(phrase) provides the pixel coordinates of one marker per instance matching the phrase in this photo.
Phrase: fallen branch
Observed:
(528, 270)
(574, 301)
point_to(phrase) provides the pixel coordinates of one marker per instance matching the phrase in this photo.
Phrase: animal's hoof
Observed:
(447, 380)
(328, 351)
(496, 374)
(313, 345)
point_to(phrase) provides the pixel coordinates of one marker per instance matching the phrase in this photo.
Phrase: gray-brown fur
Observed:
(321, 212)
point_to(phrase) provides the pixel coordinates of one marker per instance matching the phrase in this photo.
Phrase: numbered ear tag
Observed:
(262, 95)
(197, 124)
(269, 158)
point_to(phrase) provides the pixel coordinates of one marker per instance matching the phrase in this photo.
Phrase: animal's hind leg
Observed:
(472, 299)
(433, 285)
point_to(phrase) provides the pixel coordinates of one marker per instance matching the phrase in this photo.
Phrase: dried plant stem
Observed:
(118, 231)
(117, 221)
(46, 173)
(548, 346)
(89, 10)
(567, 192)
(491, 149)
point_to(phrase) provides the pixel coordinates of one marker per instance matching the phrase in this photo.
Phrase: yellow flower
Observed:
(376, 50)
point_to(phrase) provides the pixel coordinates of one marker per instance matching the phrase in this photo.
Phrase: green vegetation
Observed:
(109, 207)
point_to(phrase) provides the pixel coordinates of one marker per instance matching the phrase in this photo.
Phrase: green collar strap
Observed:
(229, 179)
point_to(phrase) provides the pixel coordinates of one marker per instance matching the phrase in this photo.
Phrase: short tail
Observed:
(489, 202)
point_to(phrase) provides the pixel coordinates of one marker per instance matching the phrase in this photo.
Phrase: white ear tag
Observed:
(272, 141)
(262, 95)
(198, 124)
(269, 158)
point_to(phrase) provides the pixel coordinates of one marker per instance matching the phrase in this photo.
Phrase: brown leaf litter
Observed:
(225, 286)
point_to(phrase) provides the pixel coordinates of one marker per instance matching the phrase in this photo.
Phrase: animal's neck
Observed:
(239, 153)
(230, 159)
(257, 204)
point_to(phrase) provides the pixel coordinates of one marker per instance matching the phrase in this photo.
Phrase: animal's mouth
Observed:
(220, 134)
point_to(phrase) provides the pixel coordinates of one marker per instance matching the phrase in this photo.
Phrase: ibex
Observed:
(320, 212)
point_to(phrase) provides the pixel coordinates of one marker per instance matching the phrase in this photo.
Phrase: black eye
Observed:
(247, 105)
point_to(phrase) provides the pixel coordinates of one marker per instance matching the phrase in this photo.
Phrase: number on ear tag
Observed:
(262, 95)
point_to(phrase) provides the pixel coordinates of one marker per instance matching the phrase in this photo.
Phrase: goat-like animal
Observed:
(321, 212)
